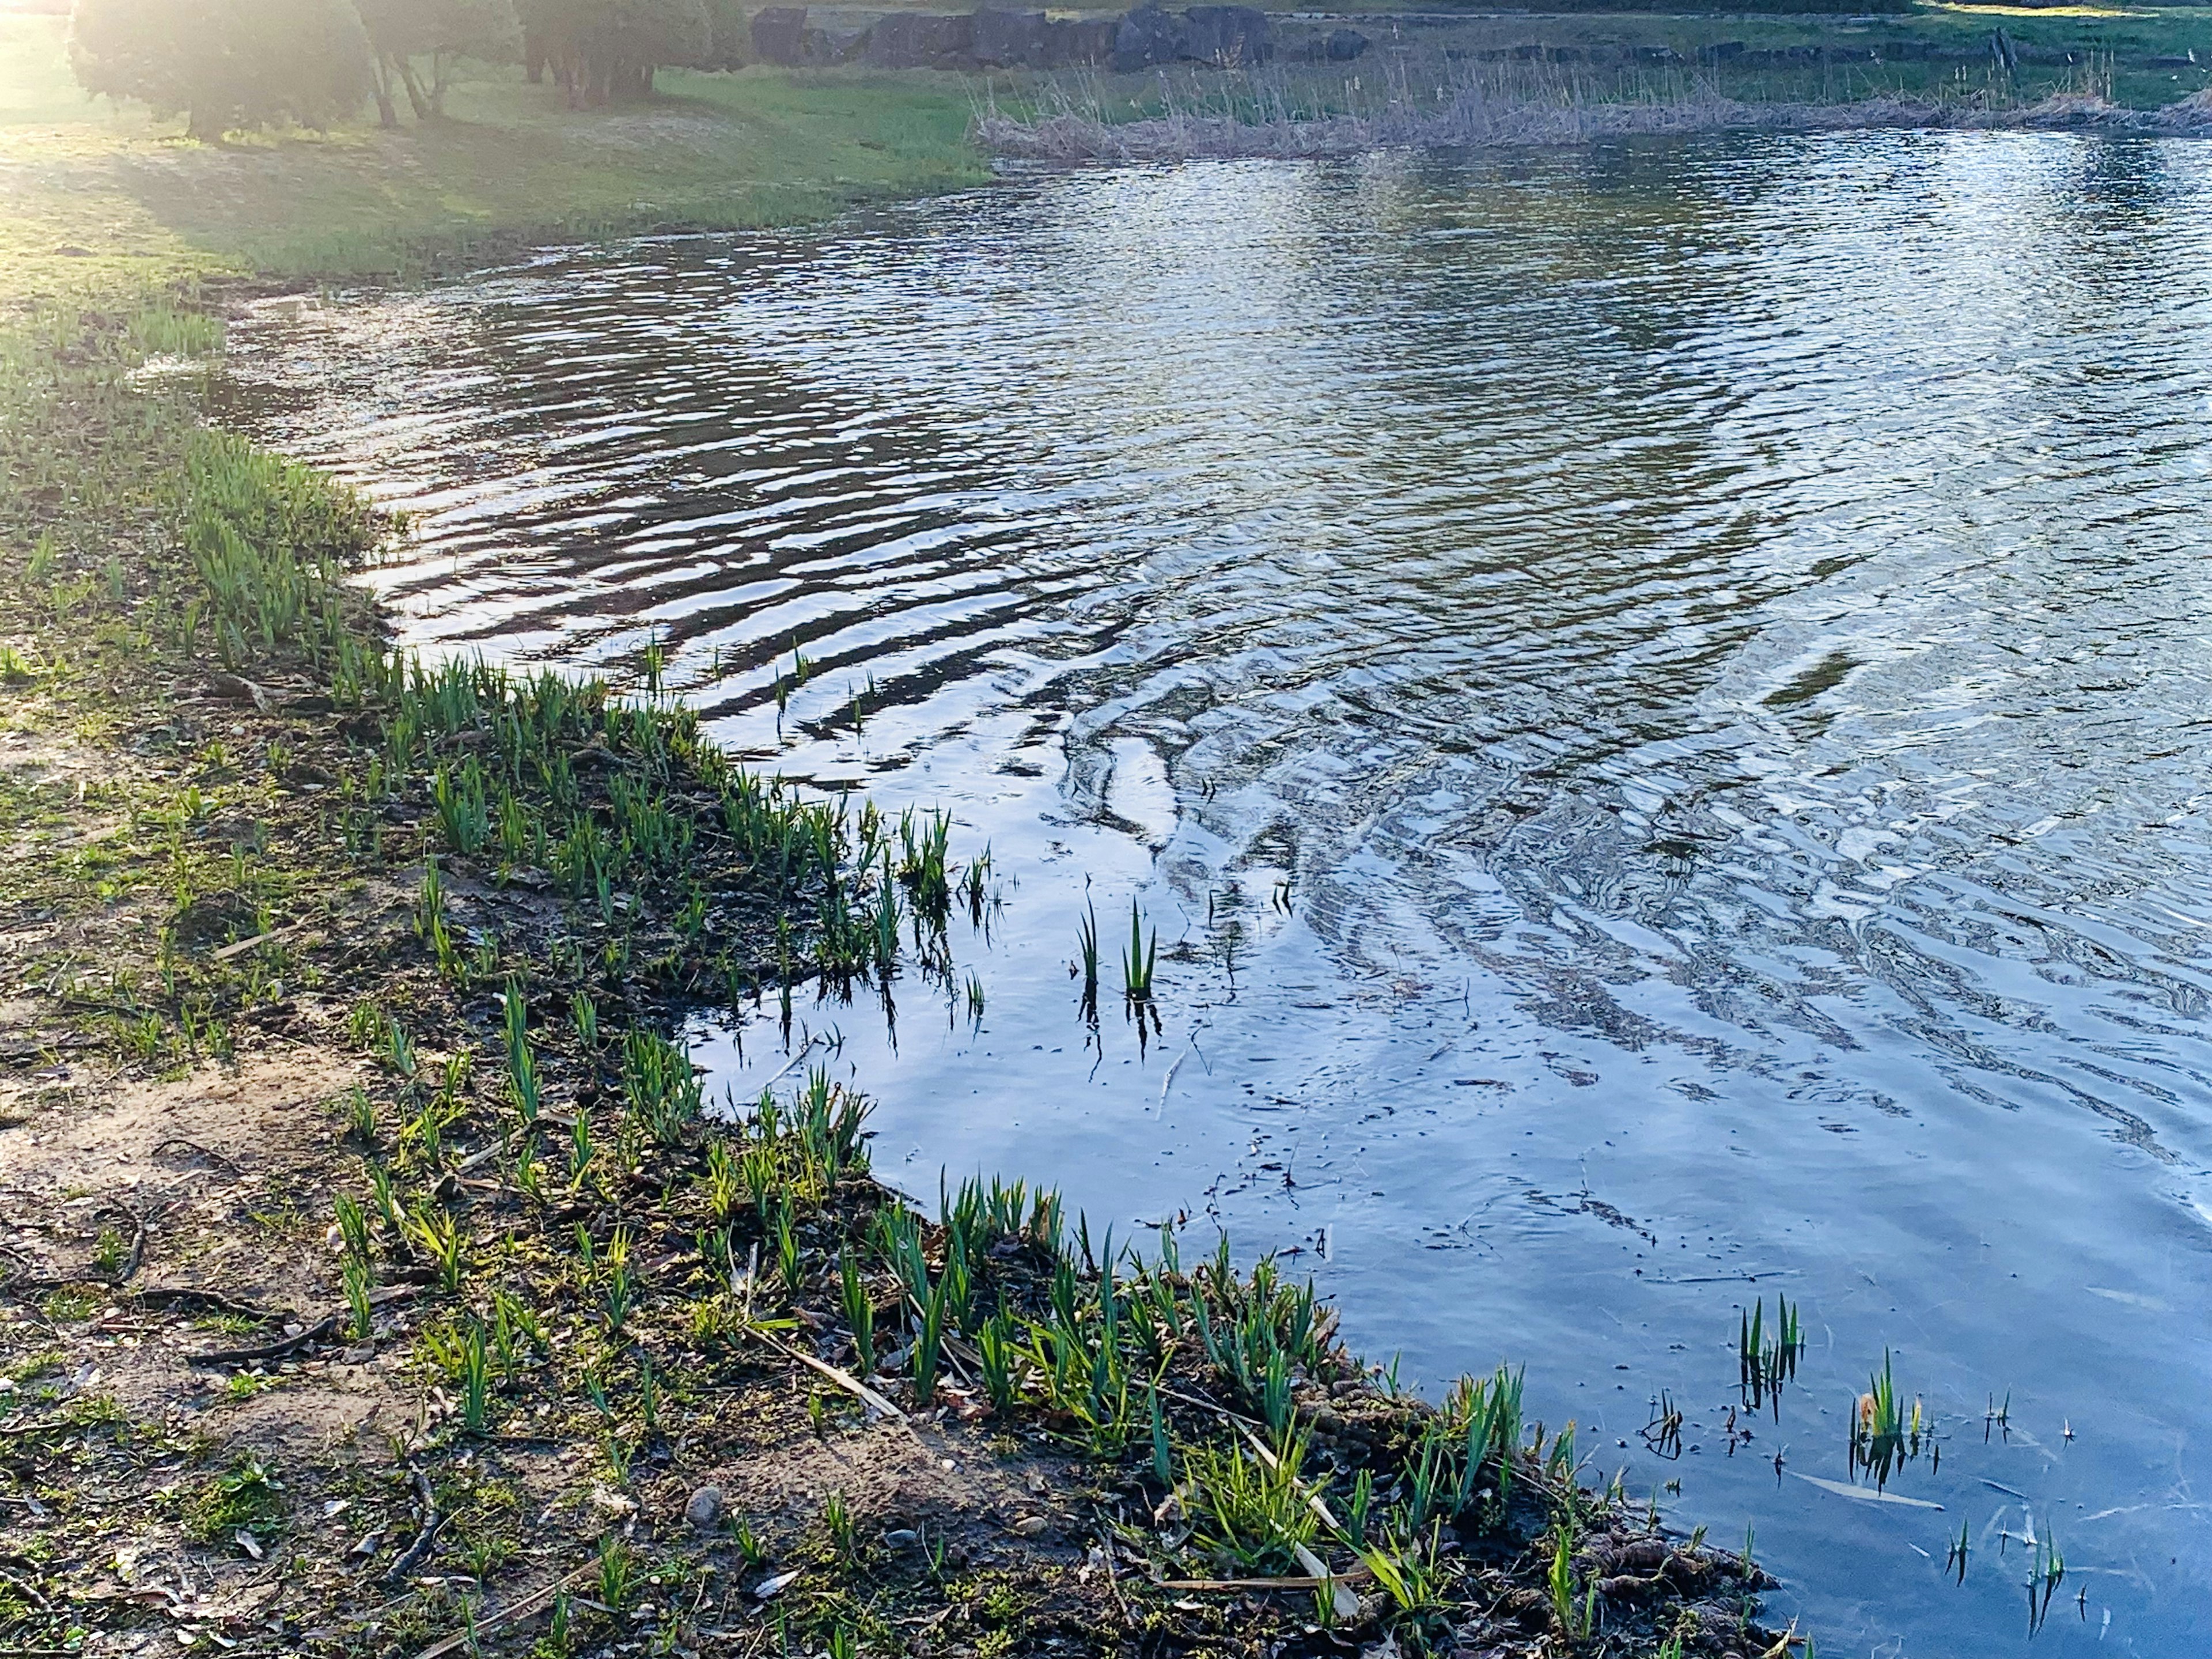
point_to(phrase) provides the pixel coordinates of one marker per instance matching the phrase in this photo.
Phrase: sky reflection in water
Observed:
(1657, 697)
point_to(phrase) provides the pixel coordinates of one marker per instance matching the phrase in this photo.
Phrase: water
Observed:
(1656, 696)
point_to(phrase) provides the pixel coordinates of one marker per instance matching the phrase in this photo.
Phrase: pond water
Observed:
(1659, 698)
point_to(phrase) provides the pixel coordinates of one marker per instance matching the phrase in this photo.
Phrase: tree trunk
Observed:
(416, 96)
(387, 116)
(441, 71)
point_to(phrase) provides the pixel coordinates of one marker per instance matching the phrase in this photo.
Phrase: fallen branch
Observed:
(426, 1540)
(314, 1332)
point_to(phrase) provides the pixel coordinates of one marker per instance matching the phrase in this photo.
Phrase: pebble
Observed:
(704, 1511)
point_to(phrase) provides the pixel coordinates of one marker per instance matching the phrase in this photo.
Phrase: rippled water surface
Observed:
(1657, 695)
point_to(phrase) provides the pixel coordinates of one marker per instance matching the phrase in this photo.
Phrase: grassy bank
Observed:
(1919, 50)
(511, 166)
(375, 1278)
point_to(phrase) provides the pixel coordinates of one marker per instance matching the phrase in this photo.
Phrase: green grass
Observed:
(510, 164)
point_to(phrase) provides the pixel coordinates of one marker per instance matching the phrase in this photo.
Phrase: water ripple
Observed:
(1721, 619)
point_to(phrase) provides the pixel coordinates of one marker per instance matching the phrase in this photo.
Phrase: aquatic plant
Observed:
(1765, 1362)
(1884, 1435)
(1087, 945)
(2046, 1572)
(1139, 959)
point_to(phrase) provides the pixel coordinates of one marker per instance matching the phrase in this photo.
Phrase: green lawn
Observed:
(716, 150)
(101, 195)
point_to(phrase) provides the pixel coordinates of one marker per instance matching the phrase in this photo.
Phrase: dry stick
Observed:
(843, 1379)
(139, 1224)
(314, 1332)
(529, 1606)
(433, 1522)
(208, 1301)
(246, 944)
(208, 1153)
(1307, 1581)
(1113, 1578)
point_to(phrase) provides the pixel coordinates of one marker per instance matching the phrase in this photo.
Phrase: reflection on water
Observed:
(1658, 697)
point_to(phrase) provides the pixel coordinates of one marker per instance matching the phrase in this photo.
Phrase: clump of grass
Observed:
(616, 1571)
(354, 1274)
(1766, 1360)
(1252, 1510)
(2046, 1572)
(859, 1315)
(1139, 959)
(523, 1087)
(358, 1112)
(1087, 945)
(1885, 1435)
(353, 1228)
(838, 1522)
(441, 1238)
(245, 1497)
(658, 1084)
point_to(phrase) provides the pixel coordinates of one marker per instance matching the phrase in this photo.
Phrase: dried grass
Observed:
(1491, 106)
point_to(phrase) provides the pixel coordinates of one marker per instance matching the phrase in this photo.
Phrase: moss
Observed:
(244, 1497)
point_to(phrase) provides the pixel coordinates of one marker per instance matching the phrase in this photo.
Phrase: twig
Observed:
(1113, 1577)
(528, 1607)
(194, 1146)
(1306, 1581)
(843, 1379)
(180, 1296)
(426, 1540)
(137, 1256)
(314, 1332)
(789, 1066)
(850, 1383)
(246, 944)
(31, 1594)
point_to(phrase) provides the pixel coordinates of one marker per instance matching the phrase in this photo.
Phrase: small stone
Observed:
(704, 1511)
(902, 1538)
(1030, 1525)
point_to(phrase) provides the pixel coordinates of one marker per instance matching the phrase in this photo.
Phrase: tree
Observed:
(602, 51)
(730, 27)
(443, 31)
(224, 65)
